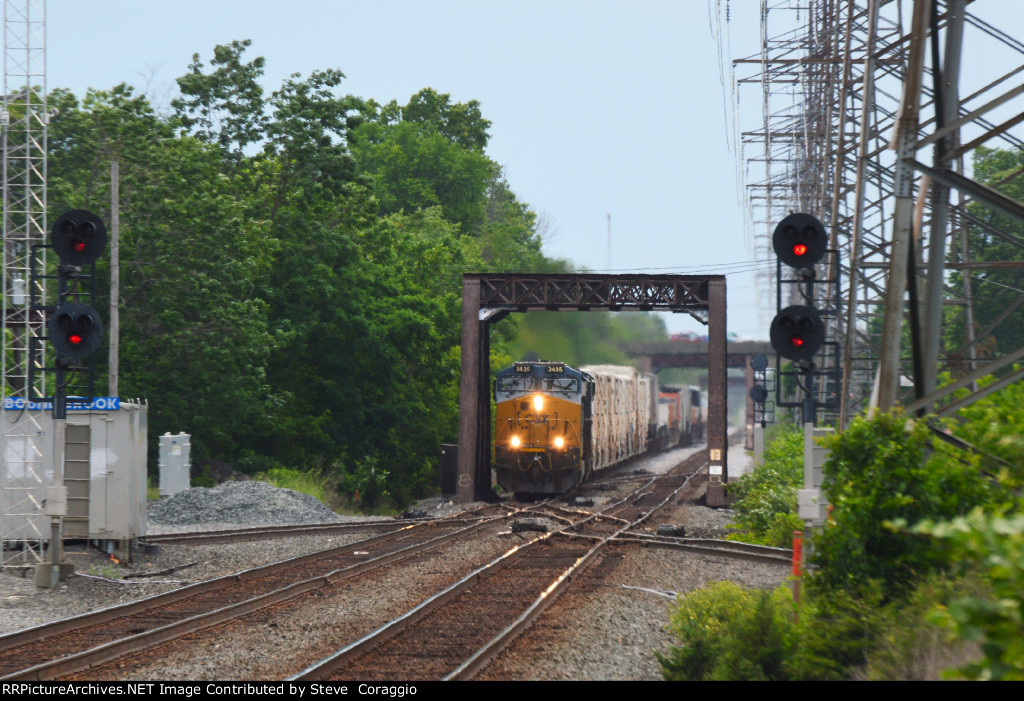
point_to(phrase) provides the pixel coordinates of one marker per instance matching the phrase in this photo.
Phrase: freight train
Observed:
(555, 426)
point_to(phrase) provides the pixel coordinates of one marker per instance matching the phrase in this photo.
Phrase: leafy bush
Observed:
(907, 644)
(315, 484)
(367, 482)
(766, 498)
(729, 632)
(881, 472)
(994, 619)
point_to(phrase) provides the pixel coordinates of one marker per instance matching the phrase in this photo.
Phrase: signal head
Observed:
(797, 332)
(800, 241)
(75, 330)
(79, 237)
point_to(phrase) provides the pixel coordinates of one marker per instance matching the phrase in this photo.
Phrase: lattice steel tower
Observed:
(24, 123)
(870, 113)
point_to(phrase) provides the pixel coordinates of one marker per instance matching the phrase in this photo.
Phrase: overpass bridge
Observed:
(693, 354)
(652, 357)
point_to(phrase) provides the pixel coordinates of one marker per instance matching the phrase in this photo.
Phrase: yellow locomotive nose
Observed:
(538, 402)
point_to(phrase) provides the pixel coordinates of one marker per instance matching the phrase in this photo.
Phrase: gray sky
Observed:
(598, 107)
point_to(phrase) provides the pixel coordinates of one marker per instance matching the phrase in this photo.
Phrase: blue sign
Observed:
(73, 404)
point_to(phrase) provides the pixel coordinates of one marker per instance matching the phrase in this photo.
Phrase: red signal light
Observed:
(78, 237)
(797, 332)
(800, 241)
(74, 339)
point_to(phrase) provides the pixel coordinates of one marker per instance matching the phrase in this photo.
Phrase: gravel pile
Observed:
(240, 503)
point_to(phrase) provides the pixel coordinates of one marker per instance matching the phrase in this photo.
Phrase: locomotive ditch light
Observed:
(800, 241)
(797, 332)
(75, 330)
(515, 442)
(78, 237)
(559, 442)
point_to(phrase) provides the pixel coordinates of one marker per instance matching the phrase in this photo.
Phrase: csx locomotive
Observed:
(556, 425)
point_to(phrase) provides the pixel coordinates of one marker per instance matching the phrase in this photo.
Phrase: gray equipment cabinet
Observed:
(104, 473)
(175, 463)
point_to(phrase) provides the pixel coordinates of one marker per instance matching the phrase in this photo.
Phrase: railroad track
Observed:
(94, 638)
(142, 629)
(457, 632)
(709, 546)
(234, 535)
(89, 641)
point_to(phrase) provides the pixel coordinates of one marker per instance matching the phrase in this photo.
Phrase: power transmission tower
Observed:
(851, 92)
(24, 121)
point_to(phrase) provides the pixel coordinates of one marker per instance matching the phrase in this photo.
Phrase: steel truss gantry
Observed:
(487, 298)
(854, 95)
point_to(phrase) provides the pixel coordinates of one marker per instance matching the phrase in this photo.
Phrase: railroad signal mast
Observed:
(798, 331)
(798, 334)
(75, 330)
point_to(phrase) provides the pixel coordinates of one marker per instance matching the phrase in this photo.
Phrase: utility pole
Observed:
(115, 274)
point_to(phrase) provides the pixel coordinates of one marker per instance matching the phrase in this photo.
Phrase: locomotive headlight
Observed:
(515, 442)
(538, 402)
(559, 442)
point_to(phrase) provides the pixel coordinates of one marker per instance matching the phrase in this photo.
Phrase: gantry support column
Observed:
(472, 363)
(718, 419)
(748, 386)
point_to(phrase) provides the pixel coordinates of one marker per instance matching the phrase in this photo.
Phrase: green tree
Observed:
(223, 107)
(425, 155)
(994, 544)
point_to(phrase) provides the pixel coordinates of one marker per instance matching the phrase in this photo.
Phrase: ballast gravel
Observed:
(240, 503)
(610, 630)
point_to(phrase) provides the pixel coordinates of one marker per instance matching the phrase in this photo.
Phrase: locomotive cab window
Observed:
(514, 383)
(560, 384)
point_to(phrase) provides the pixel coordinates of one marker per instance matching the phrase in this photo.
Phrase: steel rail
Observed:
(485, 654)
(235, 534)
(732, 549)
(478, 659)
(228, 535)
(139, 641)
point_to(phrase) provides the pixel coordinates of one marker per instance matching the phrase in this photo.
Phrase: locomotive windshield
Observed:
(560, 384)
(517, 383)
(529, 383)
